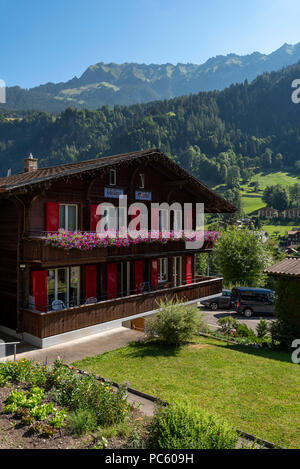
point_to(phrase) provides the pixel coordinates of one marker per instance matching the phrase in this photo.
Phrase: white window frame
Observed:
(163, 216)
(141, 180)
(112, 177)
(67, 216)
(177, 275)
(177, 226)
(162, 269)
(68, 271)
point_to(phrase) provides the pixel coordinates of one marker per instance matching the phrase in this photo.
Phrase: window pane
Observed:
(50, 288)
(141, 181)
(112, 177)
(74, 286)
(177, 220)
(62, 285)
(163, 220)
(163, 269)
(62, 217)
(72, 222)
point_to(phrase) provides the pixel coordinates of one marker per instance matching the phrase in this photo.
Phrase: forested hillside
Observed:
(218, 136)
(131, 83)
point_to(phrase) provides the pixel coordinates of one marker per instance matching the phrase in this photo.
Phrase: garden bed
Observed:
(14, 435)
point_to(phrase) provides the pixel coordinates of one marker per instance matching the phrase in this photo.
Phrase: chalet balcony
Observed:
(37, 250)
(43, 325)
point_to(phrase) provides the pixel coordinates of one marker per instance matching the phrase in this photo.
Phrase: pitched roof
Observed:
(26, 179)
(293, 232)
(288, 267)
(53, 172)
(268, 208)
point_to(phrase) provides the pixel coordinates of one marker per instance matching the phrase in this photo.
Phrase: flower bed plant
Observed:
(28, 406)
(86, 241)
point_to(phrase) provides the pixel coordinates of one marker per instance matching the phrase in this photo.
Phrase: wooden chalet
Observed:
(48, 294)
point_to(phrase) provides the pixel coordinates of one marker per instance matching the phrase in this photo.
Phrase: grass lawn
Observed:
(257, 391)
(279, 230)
(275, 177)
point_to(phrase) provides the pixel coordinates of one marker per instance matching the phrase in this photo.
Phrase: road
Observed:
(213, 316)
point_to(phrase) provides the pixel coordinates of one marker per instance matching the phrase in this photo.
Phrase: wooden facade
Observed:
(30, 269)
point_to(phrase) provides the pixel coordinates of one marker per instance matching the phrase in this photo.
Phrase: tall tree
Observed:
(241, 257)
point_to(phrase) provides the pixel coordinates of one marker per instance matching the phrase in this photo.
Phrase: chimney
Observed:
(30, 164)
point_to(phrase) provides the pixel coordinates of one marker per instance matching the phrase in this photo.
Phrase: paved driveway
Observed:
(213, 316)
(79, 348)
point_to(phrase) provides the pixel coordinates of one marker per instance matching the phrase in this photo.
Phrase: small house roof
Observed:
(289, 267)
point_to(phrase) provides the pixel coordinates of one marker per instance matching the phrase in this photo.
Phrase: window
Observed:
(112, 177)
(68, 217)
(115, 218)
(164, 220)
(177, 221)
(141, 180)
(163, 269)
(63, 286)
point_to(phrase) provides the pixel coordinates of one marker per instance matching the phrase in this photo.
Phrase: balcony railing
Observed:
(58, 322)
(36, 249)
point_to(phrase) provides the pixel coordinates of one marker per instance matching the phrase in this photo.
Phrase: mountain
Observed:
(211, 134)
(130, 83)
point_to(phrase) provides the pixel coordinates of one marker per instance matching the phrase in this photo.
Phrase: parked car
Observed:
(249, 301)
(220, 302)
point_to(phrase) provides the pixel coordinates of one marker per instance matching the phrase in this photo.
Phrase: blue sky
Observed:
(53, 40)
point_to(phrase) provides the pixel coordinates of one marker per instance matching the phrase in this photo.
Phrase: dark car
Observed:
(220, 302)
(249, 301)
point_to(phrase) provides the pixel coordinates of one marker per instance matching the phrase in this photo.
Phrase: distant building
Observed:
(294, 237)
(268, 212)
(291, 213)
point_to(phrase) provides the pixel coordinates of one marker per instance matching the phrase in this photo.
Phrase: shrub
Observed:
(82, 421)
(175, 323)
(283, 333)
(262, 329)
(227, 324)
(181, 426)
(244, 331)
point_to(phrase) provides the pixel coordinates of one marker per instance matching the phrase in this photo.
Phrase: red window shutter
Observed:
(93, 217)
(52, 216)
(138, 276)
(39, 289)
(154, 273)
(90, 281)
(188, 270)
(112, 284)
